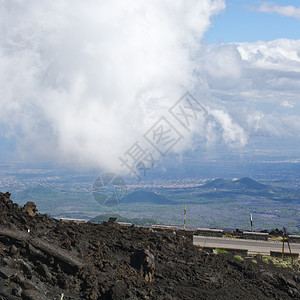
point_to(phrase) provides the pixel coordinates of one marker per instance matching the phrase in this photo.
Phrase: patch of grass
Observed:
(238, 257)
(254, 261)
(221, 250)
(286, 263)
(282, 265)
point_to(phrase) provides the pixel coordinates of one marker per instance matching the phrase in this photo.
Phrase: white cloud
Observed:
(273, 125)
(287, 104)
(287, 11)
(81, 80)
(261, 66)
(221, 64)
(253, 82)
(233, 134)
(248, 68)
(81, 85)
(281, 54)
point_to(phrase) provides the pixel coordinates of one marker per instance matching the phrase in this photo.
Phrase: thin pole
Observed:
(184, 218)
(283, 236)
(289, 246)
(251, 222)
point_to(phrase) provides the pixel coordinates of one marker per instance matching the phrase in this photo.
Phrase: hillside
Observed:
(43, 258)
(228, 184)
(48, 198)
(221, 188)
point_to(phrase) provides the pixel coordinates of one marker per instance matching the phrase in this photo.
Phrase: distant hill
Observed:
(215, 183)
(146, 197)
(249, 183)
(41, 195)
(39, 191)
(245, 183)
(47, 198)
(135, 221)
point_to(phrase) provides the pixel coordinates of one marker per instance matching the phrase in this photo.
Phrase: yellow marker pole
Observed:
(283, 237)
(184, 219)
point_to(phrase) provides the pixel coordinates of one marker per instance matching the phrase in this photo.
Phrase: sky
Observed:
(251, 21)
(82, 82)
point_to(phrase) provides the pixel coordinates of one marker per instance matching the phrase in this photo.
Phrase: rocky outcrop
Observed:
(30, 208)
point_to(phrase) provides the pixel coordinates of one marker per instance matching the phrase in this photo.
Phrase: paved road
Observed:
(253, 247)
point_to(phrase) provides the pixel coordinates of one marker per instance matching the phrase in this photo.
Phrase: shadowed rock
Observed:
(30, 208)
(143, 260)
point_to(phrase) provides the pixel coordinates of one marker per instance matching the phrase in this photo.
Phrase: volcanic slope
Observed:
(43, 258)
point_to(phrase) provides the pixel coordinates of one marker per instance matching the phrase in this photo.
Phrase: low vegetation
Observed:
(238, 257)
(221, 250)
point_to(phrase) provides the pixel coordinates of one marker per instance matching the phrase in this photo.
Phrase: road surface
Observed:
(253, 246)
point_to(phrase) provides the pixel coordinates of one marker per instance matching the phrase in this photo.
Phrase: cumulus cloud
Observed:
(233, 134)
(81, 80)
(221, 65)
(281, 54)
(274, 125)
(287, 11)
(251, 68)
(253, 82)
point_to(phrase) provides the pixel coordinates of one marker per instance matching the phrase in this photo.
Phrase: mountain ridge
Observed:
(242, 183)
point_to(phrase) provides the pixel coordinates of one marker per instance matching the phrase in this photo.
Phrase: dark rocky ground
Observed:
(109, 261)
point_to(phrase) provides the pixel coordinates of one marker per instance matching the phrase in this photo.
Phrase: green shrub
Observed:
(221, 250)
(281, 265)
(239, 258)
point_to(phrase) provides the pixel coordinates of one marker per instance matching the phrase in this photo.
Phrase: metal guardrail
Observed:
(250, 235)
(294, 238)
(73, 220)
(210, 232)
(164, 227)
